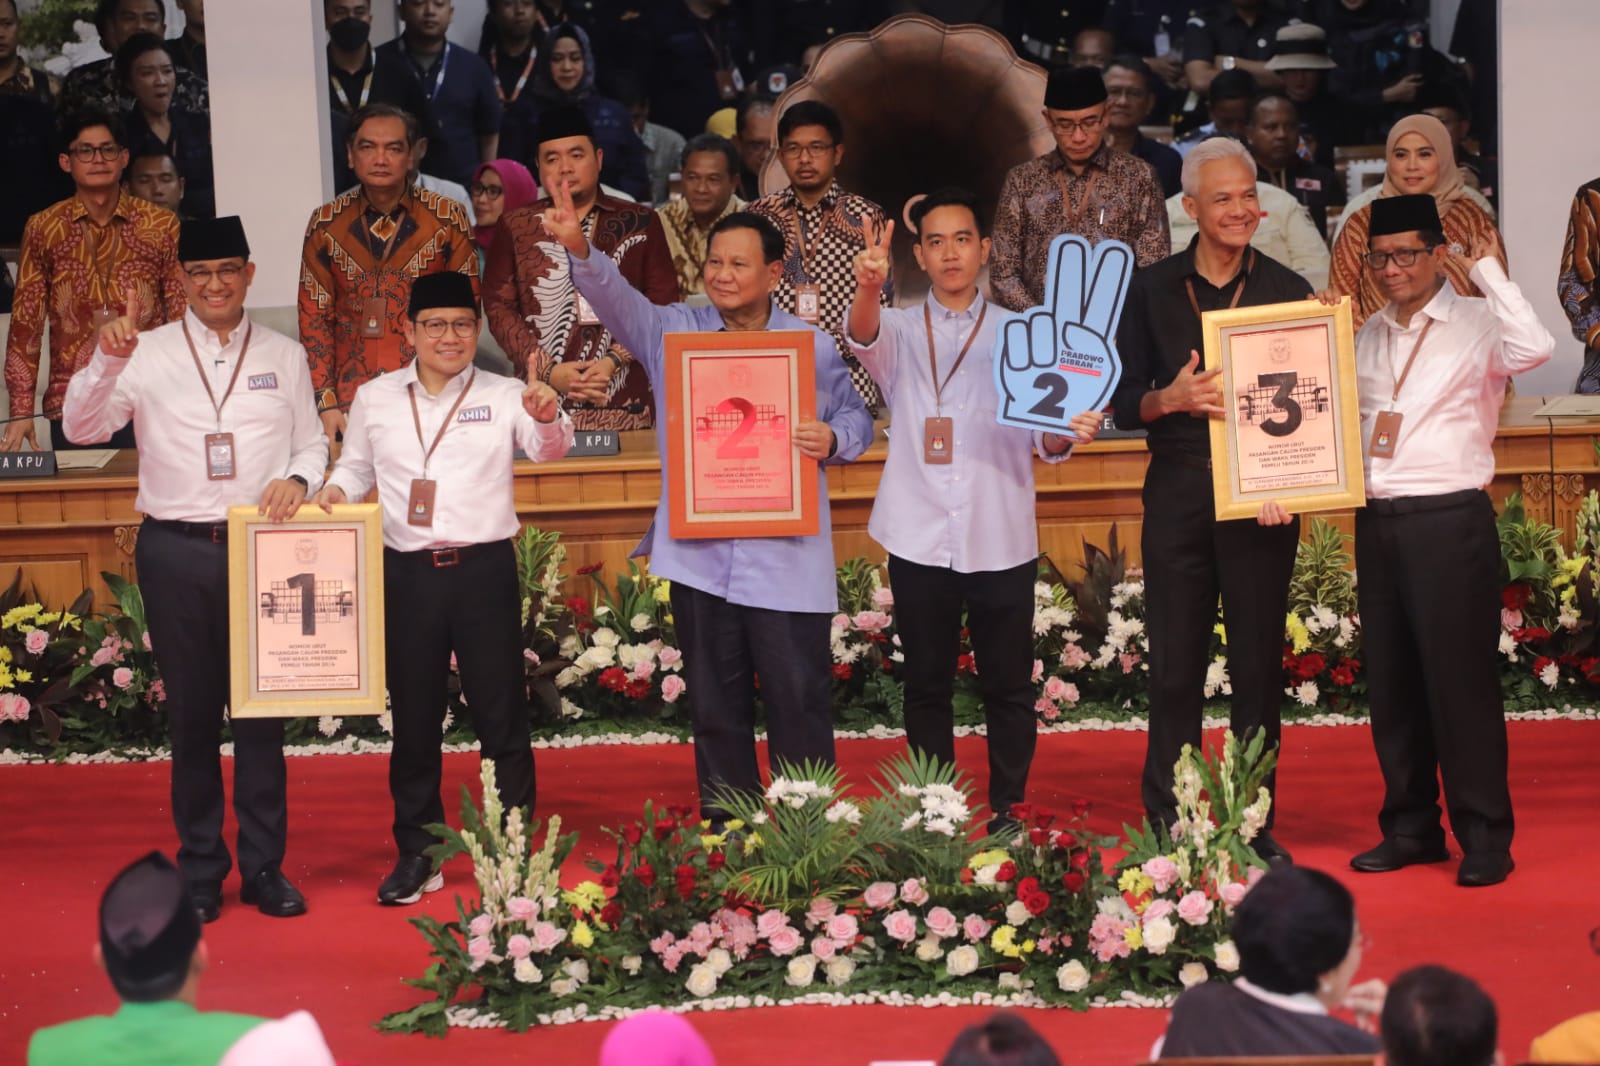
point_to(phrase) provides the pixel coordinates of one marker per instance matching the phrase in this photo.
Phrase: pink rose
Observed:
(519, 947)
(122, 677)
(822, 908)
(1158, 908)
(147, 641)
(901, 926)
(1038, 671)
(879, 895)
(870, 621)
(14, 707)
(1073, 656)
(1256, 873)
(882, 599)
(1043, 706)
(1194, 908)
(1128, 661)
(547, 936)
(769, 922)
(843, 927)
(1056, 689)
(522, 909)
(1510, 619)
(669, 657)
(975, 927)
(36, 641)
(672, 686)
(479, 948)
(786, 941)
(643, 669)
(1070, 696)
(482, 925)
(841, 621)
(942, 923)
(913, 892)
(1050, 712)
(1232, 893)
(1162, 870)
(823, 948)
(158, 690)
(102, 656)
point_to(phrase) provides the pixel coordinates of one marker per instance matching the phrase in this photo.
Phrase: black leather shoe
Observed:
(1396, 853)
(412, 876)
(1270, 851)
(1484, 868)
(207, 896)
(273, 894)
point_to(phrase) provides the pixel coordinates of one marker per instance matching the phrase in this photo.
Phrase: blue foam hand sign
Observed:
(1057, 361)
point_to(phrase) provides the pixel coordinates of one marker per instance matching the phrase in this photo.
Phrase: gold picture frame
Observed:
(305, 603)
(1292, 428)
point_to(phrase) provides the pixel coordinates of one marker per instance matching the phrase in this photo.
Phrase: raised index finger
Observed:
(130, 295)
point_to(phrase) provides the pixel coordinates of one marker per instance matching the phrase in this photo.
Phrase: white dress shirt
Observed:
(1450, 404)
(272, 415)
(473, 503)
(975, 513)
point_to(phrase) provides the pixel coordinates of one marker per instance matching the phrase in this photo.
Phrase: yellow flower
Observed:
(1299, 635)
(1133, 936)
(713, 840)
(752, 842)
(992, 857)
(5, 677)
(1136, 881)
(23, 676)
(19, 618)
(46, 619)
(663, 592)
(5, 654)
(734, 824)
(70, 620)
(1221, 631)
(582, 935)
(1004, 942)
(588, 896)
(1028, 947)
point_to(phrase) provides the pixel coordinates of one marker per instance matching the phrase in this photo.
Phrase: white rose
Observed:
(1158, 935)
(526, 972)
(631, 964)
(928, 950)
(839, 968)
(1193, 973)
(1072, 976)
(801, 972)
(962, 961)
(563, 986)
(1017, 913)
(1226, 956)
(719, 960)
(577, 969)
(639, 622)
(1010, 982)
(702, 980)
(604, 638)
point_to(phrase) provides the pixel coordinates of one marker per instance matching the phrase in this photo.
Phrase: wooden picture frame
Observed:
(1292, 431)
(733, 400)
(290, 656)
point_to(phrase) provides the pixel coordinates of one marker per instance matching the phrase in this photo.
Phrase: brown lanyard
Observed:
(416, 419)
(499, 87)
(1076, 220)
(1238, 292)
(933, 362)
(216, 405)
(808, 248)
(1399, 382)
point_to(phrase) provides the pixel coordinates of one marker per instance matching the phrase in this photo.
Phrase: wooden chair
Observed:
(1274, 1060)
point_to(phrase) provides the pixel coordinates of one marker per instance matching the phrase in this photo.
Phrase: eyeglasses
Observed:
(85, 153)
(493, 192)
(1404, 258)
(814, 150)
(1066, 127)
(226, 274)
(464, 328)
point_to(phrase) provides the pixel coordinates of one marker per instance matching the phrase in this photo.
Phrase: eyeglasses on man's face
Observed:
(1404, 258)
(814, 150)
(1066, 127)
(227, 274)
(86, 153)
(464, 328)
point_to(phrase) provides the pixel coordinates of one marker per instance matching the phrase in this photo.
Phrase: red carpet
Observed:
(69, 828)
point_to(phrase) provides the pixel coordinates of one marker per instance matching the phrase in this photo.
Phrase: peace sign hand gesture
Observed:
(872, 262)
(120, 336)
(561, 221)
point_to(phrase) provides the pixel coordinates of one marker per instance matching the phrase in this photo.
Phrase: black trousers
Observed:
(1189, 560)
(999, 607)
(122, 438)
(474, 609)
(726, 647)
(1430, 624)
(184, 580)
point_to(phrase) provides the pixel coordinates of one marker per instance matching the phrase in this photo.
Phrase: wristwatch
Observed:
(299, 479)
(1229, 62)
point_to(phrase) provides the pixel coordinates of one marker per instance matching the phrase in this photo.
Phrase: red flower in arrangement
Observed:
(1037, 903)
(609, 878)
(1080, 860)
(614, 678)
(1022, 812)
(1044, 817)
(1007, 871)
(611, 914)
(645, 873)
(1540, 663)
(1304, 667)
(1027, 887)
(1038, 837)
(716, 860)
(1066, 840)
(592, 568)
(1081, 808)
(631, 835)
(681, 811)
(1073, 882)
(887, 666)
(842, 671)
(684, 875)
(577, 605)
(967, 664)
(1515, 596)
(966, 875)
(636, 690)
(1529, 634)
(1344, 674)
(665, 828)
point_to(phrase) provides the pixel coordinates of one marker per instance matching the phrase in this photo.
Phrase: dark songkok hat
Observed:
(204, 239)
(148, 923)
(564, 121)
(1404, 214)
(449, 289)
(1074, 89)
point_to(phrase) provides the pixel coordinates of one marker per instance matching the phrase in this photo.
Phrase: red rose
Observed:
(1080, 860)
(1081, 808)
(1037, 903)
(633, 834)
(681, 811)
(1022, 811)
(966, 875)
(684, 876)
(967, 664)
(577, 605)
(609, 878)
(1515, 597)
(665, 828)
(611, 913)
(1007, 871)
(1067, 841)
(1027, 887)
(1072, 882)
(1038, 837)
(645, 873)
(716, 860)
(842, 671)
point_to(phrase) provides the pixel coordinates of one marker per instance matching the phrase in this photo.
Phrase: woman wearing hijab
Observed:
(564, 73)
(498, 186)
(1420, 160)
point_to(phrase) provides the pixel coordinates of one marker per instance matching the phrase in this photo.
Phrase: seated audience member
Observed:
(1286, 232)
(498, 187)
(96, 84)
(1130, 96)
(1093, 48)
(1574, 1040)
(152, 175)
(463, 91)
(1301, 60)
(564, 75)
(1273, 135)
(189, 47)
(1228, 99)
(755, 131)
(16, 77)
(1237, 35)
(1299, 947)
(145, 68)
(655, 1038)
(151, 949)
(710, 165)
(29, 178)
(1448, 104)
(1004, 1039)
(663, 148)
(295, 1039)
(1436, 1017)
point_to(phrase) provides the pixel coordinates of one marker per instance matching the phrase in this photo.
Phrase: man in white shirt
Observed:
(1433, 369)
(436, 438)
(956, 516)
(213, 433)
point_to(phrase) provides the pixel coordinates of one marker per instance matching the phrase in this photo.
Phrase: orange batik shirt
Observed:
(357, 266)
(71, 268)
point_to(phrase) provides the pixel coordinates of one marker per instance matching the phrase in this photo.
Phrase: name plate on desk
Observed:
(27, 464)
(588, 442)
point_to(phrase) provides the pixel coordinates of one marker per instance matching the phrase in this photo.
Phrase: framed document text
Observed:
(733, 400)
(1292, 432)
(305, 602)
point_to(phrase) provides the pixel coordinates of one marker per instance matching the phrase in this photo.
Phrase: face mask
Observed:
(350, 34)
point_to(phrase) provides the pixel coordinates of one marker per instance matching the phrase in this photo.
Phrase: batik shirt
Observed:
(96, 83)
(688, 244)
(351, 256)
(1580, 266)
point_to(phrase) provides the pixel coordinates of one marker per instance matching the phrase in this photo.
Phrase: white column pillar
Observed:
(269, 130)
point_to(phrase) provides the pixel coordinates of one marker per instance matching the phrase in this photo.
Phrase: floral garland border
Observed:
(362, 746)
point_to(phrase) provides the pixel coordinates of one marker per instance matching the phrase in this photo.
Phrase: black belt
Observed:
(1399, 505)
(440, 558)
(215, 532)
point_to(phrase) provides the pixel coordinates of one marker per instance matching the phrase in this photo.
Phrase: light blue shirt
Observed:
(976, 512)
(776, 573)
